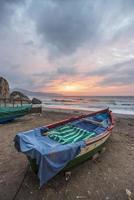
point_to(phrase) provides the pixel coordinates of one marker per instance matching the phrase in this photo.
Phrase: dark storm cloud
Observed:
(67, 25)
(64, 25)
(7, 10)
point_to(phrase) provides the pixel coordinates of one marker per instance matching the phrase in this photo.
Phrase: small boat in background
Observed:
(65, 144)
(10, 113)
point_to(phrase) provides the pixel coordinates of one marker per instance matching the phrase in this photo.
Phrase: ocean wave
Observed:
(116, 104)
(64, 100)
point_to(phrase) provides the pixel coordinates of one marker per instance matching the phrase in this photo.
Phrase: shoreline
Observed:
(80, 111)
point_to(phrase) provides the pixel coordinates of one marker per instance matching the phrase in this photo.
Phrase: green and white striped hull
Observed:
(86, 153)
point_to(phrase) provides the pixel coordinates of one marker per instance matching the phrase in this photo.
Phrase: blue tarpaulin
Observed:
(51, 156)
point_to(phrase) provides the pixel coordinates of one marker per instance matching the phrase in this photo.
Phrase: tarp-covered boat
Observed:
(64, 144)
(11, 113)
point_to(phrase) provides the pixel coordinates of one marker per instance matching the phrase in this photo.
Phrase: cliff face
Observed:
(4, 87)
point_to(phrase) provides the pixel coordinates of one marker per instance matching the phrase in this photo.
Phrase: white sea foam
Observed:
(121, 105)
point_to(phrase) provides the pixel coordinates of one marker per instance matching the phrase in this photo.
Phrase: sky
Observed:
(72, 47)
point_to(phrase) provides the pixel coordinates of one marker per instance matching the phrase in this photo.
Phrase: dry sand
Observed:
(105, 179)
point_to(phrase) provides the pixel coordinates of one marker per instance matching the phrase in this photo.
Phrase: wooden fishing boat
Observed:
(10, 113)
(93, 129)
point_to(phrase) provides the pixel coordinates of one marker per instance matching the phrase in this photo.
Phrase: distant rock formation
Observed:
(4, 87)
(16, 95)
(36, 101)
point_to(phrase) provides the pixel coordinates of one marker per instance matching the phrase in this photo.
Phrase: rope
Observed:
(19, 188)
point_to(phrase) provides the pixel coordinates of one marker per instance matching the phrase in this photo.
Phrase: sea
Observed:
(118, 104)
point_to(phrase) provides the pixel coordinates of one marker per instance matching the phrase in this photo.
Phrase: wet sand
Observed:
(106, 178)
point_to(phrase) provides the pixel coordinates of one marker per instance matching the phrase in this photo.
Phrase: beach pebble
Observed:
(1, 181)
(107, 198)
(95, 157)
(67, 175)
(89, 192)
(81, 197)
(109, 169)
(129, 194)
(26, 185)
(130, 124)
(103, 150)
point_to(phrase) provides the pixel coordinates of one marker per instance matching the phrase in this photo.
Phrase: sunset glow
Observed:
(70, 88)
(47, 46)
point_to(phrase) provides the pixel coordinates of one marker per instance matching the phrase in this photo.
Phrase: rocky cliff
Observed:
(4, 87)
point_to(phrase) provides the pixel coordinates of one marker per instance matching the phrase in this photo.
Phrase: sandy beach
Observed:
(106, 178)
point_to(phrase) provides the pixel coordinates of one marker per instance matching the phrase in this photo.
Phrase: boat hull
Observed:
(9, 114)
(86, 153)
(48, 160)
(10, 118)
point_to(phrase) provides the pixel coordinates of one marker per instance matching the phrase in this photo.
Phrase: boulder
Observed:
(4, 87)
(36, 101)
(19, 95)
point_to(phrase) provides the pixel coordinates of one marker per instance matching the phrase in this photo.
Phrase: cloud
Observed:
(56, 41)
(118, 80)
(117, 74)
(110, 69)
(29, 43)
(45, 78)
(68, 71)
(16, 77)
(7, 10)
(65, 26)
